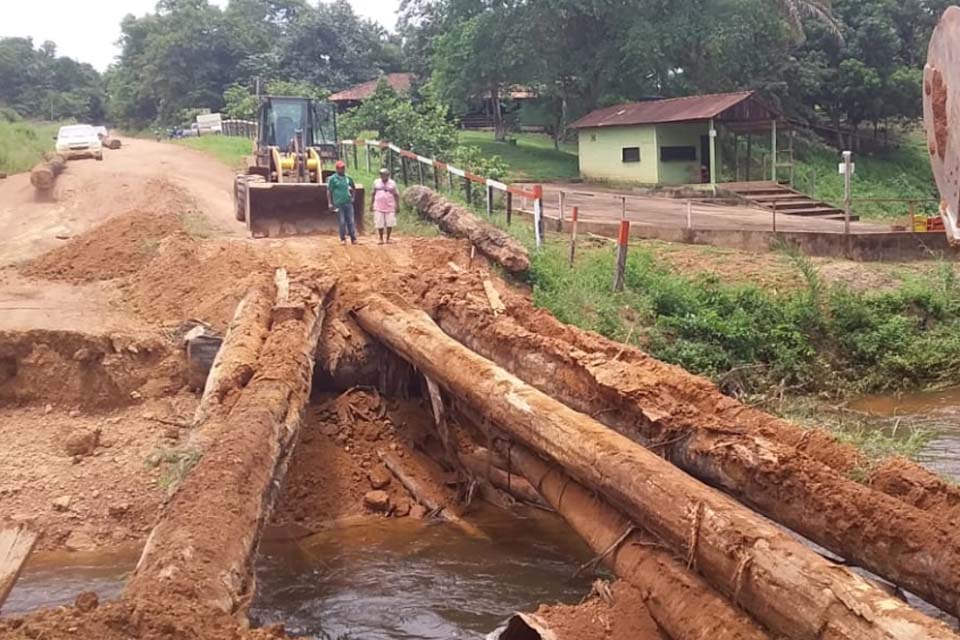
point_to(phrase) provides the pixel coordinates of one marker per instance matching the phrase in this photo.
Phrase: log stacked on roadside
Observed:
(460, 222)
(44, 175)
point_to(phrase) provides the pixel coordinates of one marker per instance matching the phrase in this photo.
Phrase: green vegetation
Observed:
(898, 174)
(820, 338)
(228, 150)
(877, 438)
(530, 157)
(22, 144)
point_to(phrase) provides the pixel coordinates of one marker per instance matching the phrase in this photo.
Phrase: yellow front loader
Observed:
(284, 192)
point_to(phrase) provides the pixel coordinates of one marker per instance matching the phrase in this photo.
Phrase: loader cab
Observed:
(282, 119)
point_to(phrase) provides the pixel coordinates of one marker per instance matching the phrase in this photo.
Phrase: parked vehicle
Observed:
(79, 141)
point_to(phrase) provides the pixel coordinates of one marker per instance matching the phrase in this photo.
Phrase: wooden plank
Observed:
(15, 547)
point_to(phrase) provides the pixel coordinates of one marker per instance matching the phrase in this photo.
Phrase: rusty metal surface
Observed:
(941, 116)
(741, 106)
(399, 82)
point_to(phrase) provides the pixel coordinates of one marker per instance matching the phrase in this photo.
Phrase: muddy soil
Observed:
(620, 615)
(336, 463)
(88, 481)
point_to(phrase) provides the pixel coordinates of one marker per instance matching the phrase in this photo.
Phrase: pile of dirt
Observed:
(88, 481)
(76, 370)
(187, 279)
(336, 464)
(118, 248)
(146, 620)
(617, 613)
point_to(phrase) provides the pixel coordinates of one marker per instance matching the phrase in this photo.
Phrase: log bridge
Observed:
(706, 564)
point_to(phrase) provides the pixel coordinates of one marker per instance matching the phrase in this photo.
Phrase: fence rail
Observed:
(443, 176)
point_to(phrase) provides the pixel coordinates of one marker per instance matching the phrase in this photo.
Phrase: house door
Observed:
(706, 169)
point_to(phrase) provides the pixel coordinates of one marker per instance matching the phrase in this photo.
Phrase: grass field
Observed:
(532, 159)
(22, 144)
(228, 150)
(898, 174)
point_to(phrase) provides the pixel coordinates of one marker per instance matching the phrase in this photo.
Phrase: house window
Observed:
(631, 154)
(678, 154)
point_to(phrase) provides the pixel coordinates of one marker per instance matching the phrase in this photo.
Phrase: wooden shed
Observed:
(670, 142)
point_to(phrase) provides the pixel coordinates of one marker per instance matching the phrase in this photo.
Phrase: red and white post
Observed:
(623, 242)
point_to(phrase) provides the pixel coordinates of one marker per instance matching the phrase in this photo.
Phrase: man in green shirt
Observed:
(340, 187)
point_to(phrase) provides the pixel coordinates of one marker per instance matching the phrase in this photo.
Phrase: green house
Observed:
(670, 142)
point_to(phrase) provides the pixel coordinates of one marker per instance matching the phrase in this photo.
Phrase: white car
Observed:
(79, 141)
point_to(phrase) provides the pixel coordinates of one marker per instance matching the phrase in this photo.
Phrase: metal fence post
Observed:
(573, 236)
(403, 169)
(467, 189)
(436, 177)
(623, 241)
(538, 214)
(509, 208)
(847, 189)
(489, 200)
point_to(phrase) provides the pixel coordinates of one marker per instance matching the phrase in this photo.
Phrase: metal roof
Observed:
(689, 109)
(400, 82)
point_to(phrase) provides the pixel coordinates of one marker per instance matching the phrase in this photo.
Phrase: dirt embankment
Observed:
(336, 466)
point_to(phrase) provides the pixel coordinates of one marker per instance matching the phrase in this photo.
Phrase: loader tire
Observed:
(240, 197)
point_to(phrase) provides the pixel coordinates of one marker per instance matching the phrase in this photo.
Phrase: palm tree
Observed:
(795, 11)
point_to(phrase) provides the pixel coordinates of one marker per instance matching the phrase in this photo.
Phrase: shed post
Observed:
(773, 148)
(713, 156)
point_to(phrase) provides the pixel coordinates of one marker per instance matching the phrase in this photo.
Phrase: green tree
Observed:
(485, 49)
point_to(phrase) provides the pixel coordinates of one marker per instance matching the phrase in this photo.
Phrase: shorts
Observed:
(382, 220)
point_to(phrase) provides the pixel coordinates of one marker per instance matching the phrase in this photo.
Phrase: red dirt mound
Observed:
(118, 248)
(189, 280)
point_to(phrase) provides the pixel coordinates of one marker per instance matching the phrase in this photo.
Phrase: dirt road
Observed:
(597, 203)
(90, 192)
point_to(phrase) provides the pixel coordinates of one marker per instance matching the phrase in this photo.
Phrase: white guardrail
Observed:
(533, 192)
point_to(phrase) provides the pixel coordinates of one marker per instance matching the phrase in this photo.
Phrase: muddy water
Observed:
(51, 579)
(405, 580)
(936, 411)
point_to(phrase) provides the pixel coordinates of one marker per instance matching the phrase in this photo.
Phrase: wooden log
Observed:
(235, 362)
(457, 221)
(16, 543)
(423, 497)
(682, 604)
(510, 482)
(784, 585)
(864, 526)
(202, 549)
(44, 175)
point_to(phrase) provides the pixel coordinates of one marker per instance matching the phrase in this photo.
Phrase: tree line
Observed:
(856, 62)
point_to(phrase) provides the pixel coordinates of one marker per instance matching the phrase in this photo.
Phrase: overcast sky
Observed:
(88, 30)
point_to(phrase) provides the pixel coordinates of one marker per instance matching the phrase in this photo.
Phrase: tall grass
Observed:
(22, 144)
(821, 338)
(229, 150)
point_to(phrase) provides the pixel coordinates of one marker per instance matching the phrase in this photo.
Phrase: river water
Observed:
(51, 579)
(406, 580)
(935, 411)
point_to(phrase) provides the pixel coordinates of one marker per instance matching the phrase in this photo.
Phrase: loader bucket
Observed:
(294, 209)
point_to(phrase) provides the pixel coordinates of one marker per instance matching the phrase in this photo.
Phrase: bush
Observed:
(820, 338)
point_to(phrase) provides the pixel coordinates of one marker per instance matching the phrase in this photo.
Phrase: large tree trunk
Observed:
(44, 175)
(783, 584)
(205, 543)
(499, 130)
(236, 361)
(458, 221)
(909, 547)
(682, 604)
